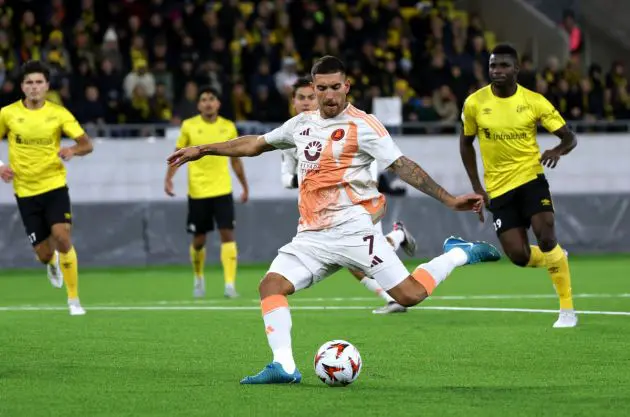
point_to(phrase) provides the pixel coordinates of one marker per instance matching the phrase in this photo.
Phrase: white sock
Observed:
(199, 281)
(373, 286)
(278, 329)
(230, 286)
(396, 237)
(441, 267)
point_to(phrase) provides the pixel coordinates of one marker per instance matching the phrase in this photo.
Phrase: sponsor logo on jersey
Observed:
(313, 151)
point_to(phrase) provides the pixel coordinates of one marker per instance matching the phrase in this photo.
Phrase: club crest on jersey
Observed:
(312, 151)
(338, 134)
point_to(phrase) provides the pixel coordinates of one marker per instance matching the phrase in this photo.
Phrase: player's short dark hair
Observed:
(328, 65)
(34, 67)
(301, 82)
(206, 89)
(505, 49)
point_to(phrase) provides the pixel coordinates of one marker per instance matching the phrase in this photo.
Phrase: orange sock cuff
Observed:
(273, 302)
(425, 279)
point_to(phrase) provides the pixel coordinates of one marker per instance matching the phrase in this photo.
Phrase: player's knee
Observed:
(547, 243)
(226, 235)
(274, 284)
(199, 242)
(64, 243)
(519, 258)
(44, 255)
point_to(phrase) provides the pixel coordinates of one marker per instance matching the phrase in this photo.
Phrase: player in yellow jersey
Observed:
(210, 190)
(504, 116)
(34, 127)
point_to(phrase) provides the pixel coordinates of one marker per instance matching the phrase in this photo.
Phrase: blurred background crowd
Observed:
(143, 61)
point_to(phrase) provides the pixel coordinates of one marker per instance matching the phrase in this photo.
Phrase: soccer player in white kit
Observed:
(339, 205)
(304, 99)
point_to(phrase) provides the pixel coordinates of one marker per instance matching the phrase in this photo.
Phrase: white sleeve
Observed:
(375, 140)
(282, 137)
(289, 167)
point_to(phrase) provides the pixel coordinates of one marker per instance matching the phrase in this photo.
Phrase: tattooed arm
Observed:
(414, 175)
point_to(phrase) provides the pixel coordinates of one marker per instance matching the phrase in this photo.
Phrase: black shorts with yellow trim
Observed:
(40, 212)
(516, 207)
(204, 213)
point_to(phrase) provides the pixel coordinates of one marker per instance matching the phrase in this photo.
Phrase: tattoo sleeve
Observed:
(414, 175)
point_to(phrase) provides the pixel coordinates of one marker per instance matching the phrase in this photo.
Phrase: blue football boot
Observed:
(273, 374)
(476, 251)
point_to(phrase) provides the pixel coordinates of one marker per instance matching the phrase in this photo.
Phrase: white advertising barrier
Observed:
(134, 169)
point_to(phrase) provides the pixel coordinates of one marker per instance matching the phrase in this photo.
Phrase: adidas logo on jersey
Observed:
(376, 261)
(305, 132)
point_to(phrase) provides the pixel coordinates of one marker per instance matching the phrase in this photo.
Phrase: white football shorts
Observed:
(314, 255)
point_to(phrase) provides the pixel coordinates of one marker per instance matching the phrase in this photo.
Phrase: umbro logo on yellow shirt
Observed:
(68, 216)
(545, 202)
(487, 111)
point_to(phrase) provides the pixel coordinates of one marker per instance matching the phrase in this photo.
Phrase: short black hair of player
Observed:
(35, 67)
(505, 49)
(328, 65)
(210, 90)
(301, 82)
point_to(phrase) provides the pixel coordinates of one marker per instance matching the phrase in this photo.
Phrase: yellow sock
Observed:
(70, 270)
(229, 261)
(536, 257)
(198, 260)
(558, 267)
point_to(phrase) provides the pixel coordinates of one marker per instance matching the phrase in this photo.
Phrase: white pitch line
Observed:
(310, 308)
(435, 297)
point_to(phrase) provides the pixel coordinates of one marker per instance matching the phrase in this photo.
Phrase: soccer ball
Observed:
(338, 363)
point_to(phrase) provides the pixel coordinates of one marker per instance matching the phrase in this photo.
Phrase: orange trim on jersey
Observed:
(425, 279)
(273, 302)
(372, 121)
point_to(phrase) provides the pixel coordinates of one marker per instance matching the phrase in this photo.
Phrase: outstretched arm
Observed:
(249, 145)
(469, 158)
(414, 175)
(239, 170)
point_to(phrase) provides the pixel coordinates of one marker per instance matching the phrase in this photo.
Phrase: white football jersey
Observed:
(334, 157)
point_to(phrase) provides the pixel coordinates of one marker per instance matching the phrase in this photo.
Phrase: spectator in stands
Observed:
(83, 51)
(210, 74)
(110, 81)
(90, 109)
(527, 75)
(592, 100)
(576, 39)
(241, 102)
(29, 50)
(139, 76)
(183, 76)
(7, 53)
(84, 77)
(266, 109)
(262, 77)
(286, 77)
(552, 73)
(29, 26)
(161, 105)
(8, 93)
(109, 50)
(60, 58)
(187, 106)
(138, 108)
(445, 104)
(460, 84)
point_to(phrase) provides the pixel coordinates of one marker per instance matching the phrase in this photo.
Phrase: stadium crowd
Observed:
(143, 61)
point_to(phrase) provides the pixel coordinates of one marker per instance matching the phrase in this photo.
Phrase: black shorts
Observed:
(516, 207)
(40, 212)
(203, 213)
